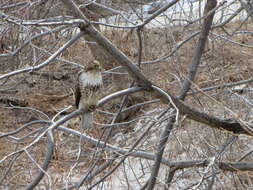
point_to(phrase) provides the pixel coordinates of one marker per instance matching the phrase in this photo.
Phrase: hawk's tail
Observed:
(87, 120)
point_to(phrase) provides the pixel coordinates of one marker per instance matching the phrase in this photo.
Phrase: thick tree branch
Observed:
(158, 12)
(229, 125)
(48, 157)
(159, 155)
(186, 86)
(211, 4)
(119, 56)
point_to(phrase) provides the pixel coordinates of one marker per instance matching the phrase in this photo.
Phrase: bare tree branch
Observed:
(229, 125)
(15, 52)
(14, 5)
(159, 154)
(45, 63)
(48, 157)
(211, 4)
(121, 58)
(158, 12)
(229, 166)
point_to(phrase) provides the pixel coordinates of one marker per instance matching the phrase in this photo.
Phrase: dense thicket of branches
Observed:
(176, 108)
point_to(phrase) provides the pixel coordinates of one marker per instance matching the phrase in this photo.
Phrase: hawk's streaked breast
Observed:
(92, 78)
(88, 88)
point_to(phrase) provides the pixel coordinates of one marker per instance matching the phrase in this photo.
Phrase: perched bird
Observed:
(87, 91)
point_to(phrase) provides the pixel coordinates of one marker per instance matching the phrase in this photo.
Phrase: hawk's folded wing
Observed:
(77, 94)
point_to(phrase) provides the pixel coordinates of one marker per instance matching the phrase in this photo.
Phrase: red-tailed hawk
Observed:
(87, 91)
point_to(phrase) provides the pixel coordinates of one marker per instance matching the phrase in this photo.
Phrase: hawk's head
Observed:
(92, 66)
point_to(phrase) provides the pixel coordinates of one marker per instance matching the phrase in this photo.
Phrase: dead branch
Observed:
(119, 56)
(211, 4)
(13, 101)
(229, 125)
(53, 76)
(45, 63)
(228, 166)
(44, 167)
